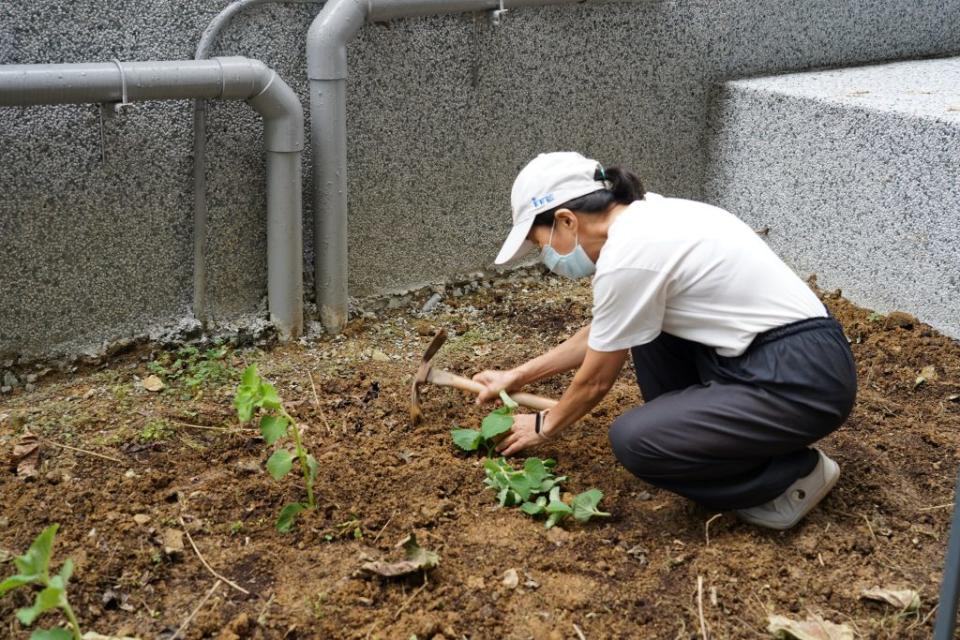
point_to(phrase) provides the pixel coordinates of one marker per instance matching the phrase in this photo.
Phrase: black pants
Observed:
(731, 433)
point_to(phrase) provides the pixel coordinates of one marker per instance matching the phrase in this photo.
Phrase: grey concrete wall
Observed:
(442, 113)
(857, 174)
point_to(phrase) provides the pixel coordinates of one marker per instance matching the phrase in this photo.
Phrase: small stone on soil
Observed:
(510, 579)
(141, 518)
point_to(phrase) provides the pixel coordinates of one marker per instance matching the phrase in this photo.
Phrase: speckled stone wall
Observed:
(857, 175)
(95, 243)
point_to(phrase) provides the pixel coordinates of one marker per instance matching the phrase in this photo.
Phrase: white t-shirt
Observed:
(694, 271)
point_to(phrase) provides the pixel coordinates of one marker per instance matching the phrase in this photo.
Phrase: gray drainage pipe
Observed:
(334, 27)
(204, 47)
(225, 78)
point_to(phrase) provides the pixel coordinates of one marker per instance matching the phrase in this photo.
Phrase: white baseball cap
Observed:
(548, 181)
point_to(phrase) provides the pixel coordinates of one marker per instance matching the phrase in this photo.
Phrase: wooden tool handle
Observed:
(447, 379)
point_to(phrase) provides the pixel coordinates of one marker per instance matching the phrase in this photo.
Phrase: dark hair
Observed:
(624, 188)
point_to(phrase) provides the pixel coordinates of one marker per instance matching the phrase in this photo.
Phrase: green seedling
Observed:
(536, 490)
(275, 423)
(34, 569)
(495, 424)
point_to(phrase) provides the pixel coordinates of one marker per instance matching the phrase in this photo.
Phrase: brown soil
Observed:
(632, 576)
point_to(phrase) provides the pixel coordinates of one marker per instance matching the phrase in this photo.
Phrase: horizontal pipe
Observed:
(384, 10)
(228, 78)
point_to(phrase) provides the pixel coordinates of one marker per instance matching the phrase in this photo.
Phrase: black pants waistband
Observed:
(808, 324)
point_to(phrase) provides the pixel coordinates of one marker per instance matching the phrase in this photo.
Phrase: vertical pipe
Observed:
(328, 113)
(950, 588)
(285, 242)
(200, 214)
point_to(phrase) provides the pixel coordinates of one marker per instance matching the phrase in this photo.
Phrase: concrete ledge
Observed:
(857, 174)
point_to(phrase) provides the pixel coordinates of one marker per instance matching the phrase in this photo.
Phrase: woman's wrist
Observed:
(540, 425)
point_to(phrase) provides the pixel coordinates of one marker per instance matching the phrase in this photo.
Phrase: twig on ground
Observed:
(706, 527)
(86, 451)
(412, 596)
(212, 428)
(703, 622)
(316, 403)
(920, 623)
(579, 632)
(206, 564)
(379, 533)
(936, 506)
(870, 529)
(183, 627)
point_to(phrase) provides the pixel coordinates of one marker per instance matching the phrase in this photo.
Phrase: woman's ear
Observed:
(566, 218)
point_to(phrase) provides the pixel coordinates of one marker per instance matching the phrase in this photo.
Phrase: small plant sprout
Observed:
(34, 569)
(494, 425)
(537, 491)
(534, 488)
(256, 393)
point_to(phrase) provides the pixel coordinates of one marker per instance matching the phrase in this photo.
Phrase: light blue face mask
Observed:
(573, 265)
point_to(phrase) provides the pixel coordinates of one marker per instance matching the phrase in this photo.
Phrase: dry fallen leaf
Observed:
(903, 599)
(813, 628)
(153, 383)
(417, 559)
(927, 373)
(26, 455)
(379, 356)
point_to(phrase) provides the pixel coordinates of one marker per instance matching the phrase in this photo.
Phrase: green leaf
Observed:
(312, 468)
(250, 378)
(49, 598)
(508, 402)
(58, 633)
(66, 570)
(268, 396)
(531, 508)
(287, 516)
(16, 581)
(495, 424)
(466, 439)
(535, 470)
(244, 405)
(273, 428)
(585, 505)
(280, 463)
(36, 561)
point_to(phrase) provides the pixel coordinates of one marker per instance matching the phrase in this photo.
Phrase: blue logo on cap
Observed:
(542, 200)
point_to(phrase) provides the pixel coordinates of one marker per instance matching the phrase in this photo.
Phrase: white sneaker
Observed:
(798, 500)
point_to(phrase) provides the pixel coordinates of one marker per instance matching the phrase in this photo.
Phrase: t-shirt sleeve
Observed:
(628, 308)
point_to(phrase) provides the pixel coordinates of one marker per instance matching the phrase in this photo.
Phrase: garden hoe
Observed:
(427, 374)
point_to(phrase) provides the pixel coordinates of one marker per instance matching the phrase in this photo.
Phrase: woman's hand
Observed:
(496, 381)
(522, 435)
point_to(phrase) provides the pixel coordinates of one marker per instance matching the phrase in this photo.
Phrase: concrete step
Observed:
(857, 174)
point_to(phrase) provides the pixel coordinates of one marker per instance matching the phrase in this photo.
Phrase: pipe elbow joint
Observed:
(271, 97)
(336, 24)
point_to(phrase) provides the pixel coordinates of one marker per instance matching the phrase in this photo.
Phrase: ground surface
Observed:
(632, 576)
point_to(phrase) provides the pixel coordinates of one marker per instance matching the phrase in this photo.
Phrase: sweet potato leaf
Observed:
(467, 439)
(273, 428)
(495, 424)
(280, 463)
(287, 516)
(585, 505)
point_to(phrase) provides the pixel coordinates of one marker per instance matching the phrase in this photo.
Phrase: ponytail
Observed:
(620, 186)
